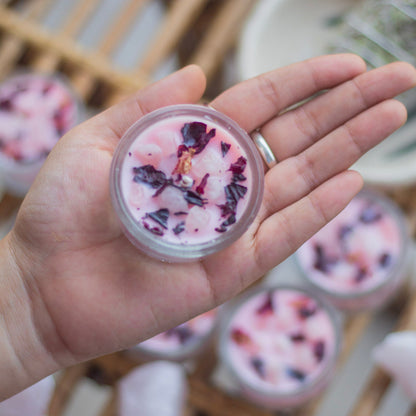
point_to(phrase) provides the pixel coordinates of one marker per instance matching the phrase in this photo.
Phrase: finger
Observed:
(282, 233)
(253, 102)
(313, 120)
(330, 156)
(184, 86)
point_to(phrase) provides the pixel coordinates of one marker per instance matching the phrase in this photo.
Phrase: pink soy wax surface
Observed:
(186, 180)
(35, 111)
(356, 252)
(186, 337)
(279, 342)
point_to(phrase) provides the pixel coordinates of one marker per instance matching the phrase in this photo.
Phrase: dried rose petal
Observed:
(225, 147)
(194, 199)
(259, 366)
(161, 216)
(267, 306)
(319, 350)
(201, 187)
(296, 374)
(195, 135)
(154, 230)
(239, 166)
(180, 227)
(240, 337)
(149, 175)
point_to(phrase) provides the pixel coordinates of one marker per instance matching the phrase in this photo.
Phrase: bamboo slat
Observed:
(222, 34)
(12, 47)
(68, 50)
(49, 61)
(176, 23)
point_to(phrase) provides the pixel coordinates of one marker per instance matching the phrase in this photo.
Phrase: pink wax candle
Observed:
(35, 111)
(360, 258)
(280, 344)
(186, 181)
(182, 342)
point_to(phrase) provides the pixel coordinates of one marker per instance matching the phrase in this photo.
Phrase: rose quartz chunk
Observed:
(280, 340)
(355, 252)
(155, 389)
(397, 356)
(186, 180)
(33, 401)
(35, 111)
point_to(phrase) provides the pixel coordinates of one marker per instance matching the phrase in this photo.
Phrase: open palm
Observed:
(92, 292)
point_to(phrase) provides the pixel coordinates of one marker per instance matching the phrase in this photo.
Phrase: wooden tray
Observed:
(198, 31)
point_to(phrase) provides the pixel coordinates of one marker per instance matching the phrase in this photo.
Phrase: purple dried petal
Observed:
(226, 209)
(319, 350)
(361, 275)
(225, 147)
(238, 177)
(296, 374)
(6, 104)
(194, 199)
(183, 333)
(221, 229)
(323, 262)
(229, 221)
(234, 192)
(267, 305)
(385, 260)
(181, 149)
(298, 337)
(259, 366)
(344, 231)
(149, 175)
(370, 215)
(239, 165)
(161, 216)
(195, 135)
(307, 310)
(154, 230)
(201, 187)
(180, 227)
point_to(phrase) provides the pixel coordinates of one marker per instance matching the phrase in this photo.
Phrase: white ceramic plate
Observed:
(281, 32)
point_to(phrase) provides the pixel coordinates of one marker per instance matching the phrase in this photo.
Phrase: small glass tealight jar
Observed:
(181, 343)
(186, 181)
(362, 257)
(280, 343)
(35, 111)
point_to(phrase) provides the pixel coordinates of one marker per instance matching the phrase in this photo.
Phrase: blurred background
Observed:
(109, 48)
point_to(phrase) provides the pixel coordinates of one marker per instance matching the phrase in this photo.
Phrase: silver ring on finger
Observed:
(264, 149)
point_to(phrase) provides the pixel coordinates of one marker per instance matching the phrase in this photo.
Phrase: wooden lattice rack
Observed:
(25, 42)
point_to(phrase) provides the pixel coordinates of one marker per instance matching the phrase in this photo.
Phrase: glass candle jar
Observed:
(280, 343)
(35, 111)
(360, 259)
(186, 181)
(183, 342)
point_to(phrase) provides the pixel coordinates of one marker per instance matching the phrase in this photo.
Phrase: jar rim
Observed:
(154, 245)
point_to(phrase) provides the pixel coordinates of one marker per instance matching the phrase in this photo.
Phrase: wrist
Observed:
(23, 356)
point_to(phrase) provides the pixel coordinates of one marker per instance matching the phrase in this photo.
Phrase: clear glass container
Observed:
(361, 258)
(35, 111)
(280, 343)
(186, 181)
(185, 341)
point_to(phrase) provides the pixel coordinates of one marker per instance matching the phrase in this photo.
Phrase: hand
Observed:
(91, 292)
